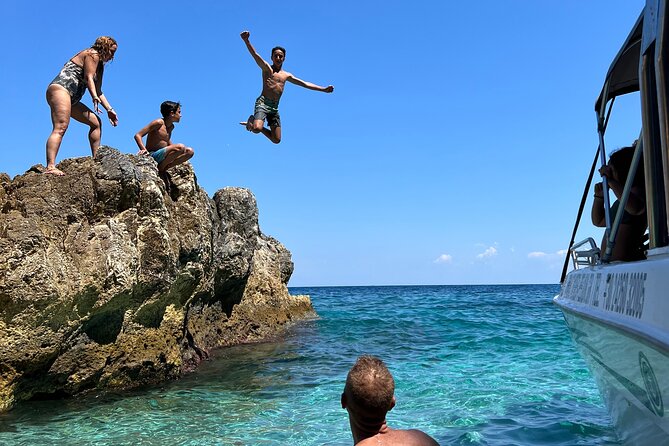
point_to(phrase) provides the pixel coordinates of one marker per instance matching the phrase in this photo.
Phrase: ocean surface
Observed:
(473, 365)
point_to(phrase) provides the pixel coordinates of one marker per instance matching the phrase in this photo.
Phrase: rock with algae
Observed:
(106, 281)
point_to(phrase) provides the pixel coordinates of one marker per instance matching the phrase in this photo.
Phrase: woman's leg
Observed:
(86, 116)
(60, 103)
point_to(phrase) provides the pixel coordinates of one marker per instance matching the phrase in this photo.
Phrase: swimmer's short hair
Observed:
(283, 50)
(169, 107)
(371, 385)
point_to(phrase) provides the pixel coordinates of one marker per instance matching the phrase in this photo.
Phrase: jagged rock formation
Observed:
(108, 282)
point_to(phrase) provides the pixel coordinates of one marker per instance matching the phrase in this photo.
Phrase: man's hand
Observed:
(245, 35)
(329, 89)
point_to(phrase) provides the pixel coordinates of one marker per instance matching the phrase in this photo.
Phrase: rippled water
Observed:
(473, 365)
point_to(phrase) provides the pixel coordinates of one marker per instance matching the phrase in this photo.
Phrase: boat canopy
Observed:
(623, 75)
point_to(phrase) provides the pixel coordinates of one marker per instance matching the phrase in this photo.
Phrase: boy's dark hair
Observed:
(283, 50)
(169, 107)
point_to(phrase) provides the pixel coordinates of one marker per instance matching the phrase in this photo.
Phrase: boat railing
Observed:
(589, 256)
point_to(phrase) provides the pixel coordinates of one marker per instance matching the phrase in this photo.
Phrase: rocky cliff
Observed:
(106, 281)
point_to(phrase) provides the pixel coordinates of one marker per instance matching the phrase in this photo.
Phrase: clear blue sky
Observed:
(454, 149)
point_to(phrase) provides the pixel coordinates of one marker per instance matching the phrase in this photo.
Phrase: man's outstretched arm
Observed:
(262, 63)
(297, 81)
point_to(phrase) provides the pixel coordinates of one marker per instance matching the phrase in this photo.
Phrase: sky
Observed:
(454, 149)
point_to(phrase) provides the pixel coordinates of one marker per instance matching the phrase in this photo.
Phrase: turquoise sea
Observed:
(473, 365)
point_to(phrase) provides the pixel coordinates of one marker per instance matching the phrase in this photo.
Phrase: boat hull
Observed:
(614, 314)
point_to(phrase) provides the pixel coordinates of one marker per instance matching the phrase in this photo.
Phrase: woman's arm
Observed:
(597, 211)
(91, 62)
(111, 113)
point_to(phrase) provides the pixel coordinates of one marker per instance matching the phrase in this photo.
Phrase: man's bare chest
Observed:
(276, 79)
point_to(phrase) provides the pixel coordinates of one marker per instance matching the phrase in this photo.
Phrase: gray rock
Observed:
(106, 281)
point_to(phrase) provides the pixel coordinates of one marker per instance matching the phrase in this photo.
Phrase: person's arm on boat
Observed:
(597, 212)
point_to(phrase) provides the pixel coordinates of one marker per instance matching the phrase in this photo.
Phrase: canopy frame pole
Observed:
(601, 125)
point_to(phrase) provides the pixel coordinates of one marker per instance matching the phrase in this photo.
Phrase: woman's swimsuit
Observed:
(71, 77)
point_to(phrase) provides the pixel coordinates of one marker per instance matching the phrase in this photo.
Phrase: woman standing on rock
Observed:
(83, 71)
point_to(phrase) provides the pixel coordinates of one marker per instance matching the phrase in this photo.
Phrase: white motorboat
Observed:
(617, 311)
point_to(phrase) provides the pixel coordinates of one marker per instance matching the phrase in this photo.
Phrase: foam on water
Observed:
(474, 365)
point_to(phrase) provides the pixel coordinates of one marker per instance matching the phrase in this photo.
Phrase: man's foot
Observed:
(54, 171)
(248, 124)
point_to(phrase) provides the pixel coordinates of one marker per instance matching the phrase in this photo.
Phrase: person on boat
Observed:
(273, 82)
(83, 72)
(159, 140)
(368, 395)
(630, 238)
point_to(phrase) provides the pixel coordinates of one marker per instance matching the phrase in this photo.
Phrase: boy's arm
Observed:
(262, 63)
(297, 81)
(150, 127)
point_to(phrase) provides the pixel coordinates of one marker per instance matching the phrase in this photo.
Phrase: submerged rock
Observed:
(106, 281)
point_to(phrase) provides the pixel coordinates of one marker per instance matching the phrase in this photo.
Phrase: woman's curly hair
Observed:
(103, 45)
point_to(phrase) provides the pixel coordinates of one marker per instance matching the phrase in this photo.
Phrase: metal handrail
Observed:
(586, 257)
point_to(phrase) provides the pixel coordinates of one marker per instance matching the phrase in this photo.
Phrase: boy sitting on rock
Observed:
(159, 140)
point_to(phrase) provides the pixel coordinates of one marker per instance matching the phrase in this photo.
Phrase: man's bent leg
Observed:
(275, 134)
(258, 125)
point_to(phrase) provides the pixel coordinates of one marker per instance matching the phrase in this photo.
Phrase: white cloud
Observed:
(444, 258)
(490, 252)
(546, 256)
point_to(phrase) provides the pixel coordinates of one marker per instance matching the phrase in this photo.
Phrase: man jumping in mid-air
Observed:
(273, 82)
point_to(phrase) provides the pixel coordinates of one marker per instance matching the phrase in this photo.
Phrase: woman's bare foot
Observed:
(53, 170)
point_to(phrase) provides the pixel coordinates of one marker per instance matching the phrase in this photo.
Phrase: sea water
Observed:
(473, 365)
